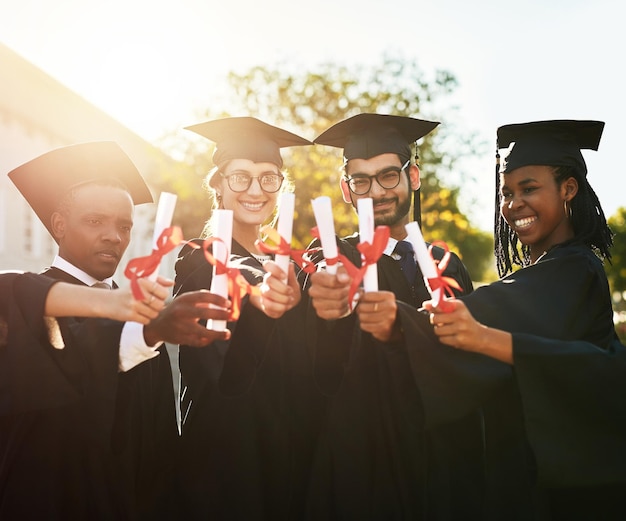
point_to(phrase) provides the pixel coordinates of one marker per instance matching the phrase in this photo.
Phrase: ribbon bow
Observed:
(440, 282)
(370, 253)
(300, 257)
(238, 286)
(140, 267)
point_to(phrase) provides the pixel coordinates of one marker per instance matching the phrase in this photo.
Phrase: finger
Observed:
(165, 282)
(203, 297)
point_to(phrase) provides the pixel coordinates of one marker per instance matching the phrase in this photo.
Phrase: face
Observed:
(533, 205)
(391, 205)
(253, 206)
(96, 230)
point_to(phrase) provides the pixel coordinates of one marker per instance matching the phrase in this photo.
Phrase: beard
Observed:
(401, 211)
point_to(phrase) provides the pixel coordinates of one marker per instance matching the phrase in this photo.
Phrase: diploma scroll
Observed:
(163, 220)
(323, 212)
(365, 210)
(284, 227)
(222, 227)
(424, 259)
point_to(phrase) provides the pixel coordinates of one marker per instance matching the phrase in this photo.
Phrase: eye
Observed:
(389, 177)
(240, 178)
(359, 181)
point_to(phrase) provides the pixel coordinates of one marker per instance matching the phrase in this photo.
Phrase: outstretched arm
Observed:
(66, 300)
(458, 328)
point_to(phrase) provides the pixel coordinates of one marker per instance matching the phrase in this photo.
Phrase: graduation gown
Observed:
(249, 430)
(555, 421)
(375, 460)
(56, 418)
(69, 450)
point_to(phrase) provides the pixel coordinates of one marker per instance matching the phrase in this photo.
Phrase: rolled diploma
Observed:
(163, 220)
(423, 258)
(222, 226)
(323, 212)
(285, 226)
(365, 210)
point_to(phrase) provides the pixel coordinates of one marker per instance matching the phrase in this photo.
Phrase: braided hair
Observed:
(588, 221)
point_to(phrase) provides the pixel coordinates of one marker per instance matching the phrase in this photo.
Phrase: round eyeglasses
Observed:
(240, 182)
(387, 178)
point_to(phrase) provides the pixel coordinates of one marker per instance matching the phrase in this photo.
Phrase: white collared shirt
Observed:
(133, 348)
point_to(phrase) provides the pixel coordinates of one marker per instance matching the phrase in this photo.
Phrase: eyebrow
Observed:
(247, 172)
(381, 171)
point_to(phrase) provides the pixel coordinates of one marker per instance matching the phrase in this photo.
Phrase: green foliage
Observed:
(616, 271)
(307, 102)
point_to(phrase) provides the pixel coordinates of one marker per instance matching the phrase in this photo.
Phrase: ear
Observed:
(345, 191)
(569, 188)
(57, 225)
(414, 177)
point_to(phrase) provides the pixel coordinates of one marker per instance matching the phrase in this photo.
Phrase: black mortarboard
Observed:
(550, 143)
(45, 180)
(368, 135)
(247, 138)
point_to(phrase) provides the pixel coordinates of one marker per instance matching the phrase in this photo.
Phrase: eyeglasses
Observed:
(240, 182)
(388, 178)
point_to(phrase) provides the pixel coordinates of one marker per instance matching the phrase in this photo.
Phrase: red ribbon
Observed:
(440, 282)
(370, 253)
(301, 257)
(238, 286)
(140, 267)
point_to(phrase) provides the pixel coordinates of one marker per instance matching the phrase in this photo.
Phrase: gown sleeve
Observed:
(26, 355)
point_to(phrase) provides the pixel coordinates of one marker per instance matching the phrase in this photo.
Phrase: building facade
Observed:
(38, 114)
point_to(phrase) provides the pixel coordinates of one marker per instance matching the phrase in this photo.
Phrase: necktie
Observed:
(407, 260)
(102, 285)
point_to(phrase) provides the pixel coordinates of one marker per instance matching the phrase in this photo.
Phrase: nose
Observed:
(376, 189)
(112, 234)
(255, 187)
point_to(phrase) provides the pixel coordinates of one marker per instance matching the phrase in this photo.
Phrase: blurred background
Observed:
(139, 72)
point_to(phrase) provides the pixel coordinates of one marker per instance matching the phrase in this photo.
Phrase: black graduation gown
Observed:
(375, 460)
(249, 433)
(75, 457)
(556, 420)
(56, 460)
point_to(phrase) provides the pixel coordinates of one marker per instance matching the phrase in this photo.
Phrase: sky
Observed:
(154, 65)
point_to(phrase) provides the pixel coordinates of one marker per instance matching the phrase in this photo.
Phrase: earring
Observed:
(568, 210)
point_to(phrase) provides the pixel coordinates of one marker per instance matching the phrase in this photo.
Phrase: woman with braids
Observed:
(537, 349)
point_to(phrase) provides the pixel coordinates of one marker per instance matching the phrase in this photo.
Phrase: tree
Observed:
(616, 270)
(308, 102)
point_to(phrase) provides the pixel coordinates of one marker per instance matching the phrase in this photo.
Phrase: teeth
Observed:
(252, 206)
(521, 223)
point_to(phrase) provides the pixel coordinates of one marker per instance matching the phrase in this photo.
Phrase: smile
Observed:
(523, 223)
(253, 207)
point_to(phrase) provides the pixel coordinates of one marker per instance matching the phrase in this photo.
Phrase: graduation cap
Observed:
(368, 135)
(550, 143)
(45, 180)
(247, 138)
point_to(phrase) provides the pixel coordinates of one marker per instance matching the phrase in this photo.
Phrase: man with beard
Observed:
(88, 425)
(375, 460)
